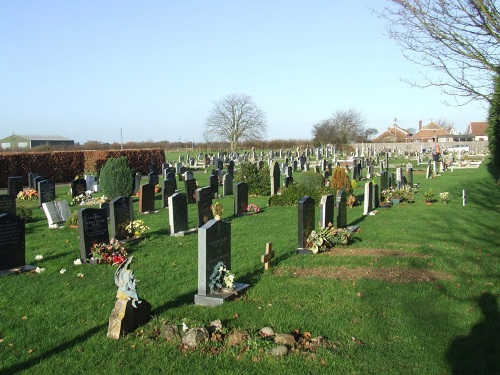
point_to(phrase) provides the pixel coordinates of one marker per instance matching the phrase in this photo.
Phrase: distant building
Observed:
(478, 130)
(15, 141)
(393, 134)
(431, 133)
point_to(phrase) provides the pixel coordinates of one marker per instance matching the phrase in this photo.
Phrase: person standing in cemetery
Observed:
(437, 153)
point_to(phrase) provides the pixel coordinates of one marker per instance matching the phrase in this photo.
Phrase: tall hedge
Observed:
(116, 178)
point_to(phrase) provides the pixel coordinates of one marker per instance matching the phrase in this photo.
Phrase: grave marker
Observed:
(169, 188)
(240, 198)
(147, 198)
(306, 223)
(8, 204)
(92, 228)
(266, 258)
(190, 187)
(78, 187)
(204, 203)
(57, 212)
(275, 178)
(121, 214)
(214, 246)
(341, 209)
(46, 191)
(326, 209)
(14, 185)
(177, 214)
(12, 242)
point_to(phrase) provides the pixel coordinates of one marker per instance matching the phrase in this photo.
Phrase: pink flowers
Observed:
(253, 208)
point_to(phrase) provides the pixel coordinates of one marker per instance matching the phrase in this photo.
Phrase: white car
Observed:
(458, 148)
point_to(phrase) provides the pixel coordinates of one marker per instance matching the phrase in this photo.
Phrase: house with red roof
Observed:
(478, 130)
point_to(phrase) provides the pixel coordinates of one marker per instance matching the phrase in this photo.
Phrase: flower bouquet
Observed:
(136, 227)
(253, 208)
(27, 195)
(221, 279)
(113, 253)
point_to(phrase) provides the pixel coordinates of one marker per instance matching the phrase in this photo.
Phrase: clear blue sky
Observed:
(86, 69)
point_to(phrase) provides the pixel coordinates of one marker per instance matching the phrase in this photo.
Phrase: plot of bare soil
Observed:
(390, 274)
(374, 252)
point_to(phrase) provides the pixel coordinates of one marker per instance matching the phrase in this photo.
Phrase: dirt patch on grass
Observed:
(374, 252)
(390, 274)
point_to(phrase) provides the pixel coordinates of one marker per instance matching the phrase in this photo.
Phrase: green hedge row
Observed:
(63, 166)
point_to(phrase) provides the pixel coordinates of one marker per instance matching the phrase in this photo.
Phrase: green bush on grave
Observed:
(258, 180)
(310, 180)
(291, 195)
(116, 178)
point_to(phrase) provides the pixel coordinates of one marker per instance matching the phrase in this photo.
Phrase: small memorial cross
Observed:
(266, 258)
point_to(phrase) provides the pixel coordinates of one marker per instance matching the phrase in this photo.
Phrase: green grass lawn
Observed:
(433, 310)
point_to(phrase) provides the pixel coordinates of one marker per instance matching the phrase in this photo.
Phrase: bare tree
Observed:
(343, 127)
(457, 38)
(447, 125)
(235, 118)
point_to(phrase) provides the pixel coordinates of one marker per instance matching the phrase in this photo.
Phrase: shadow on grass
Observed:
(24, 366)
(479, 352)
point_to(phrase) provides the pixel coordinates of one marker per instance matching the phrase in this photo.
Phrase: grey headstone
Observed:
(227, 185)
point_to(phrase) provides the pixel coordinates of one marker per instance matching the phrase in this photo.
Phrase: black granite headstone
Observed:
(12, 241)
(121, 213)
(92, 228)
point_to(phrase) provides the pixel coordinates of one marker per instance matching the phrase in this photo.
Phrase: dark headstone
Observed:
(306, 223)
(240, 198)
(190, 187)
(147, 198)
(204, 203)
(78, 187)
(92, 228)
(169, 188)
(12, 241)
(213, 181)
(46, 191)
(288, 181)
(121, 213)
(341, 209)
(177, 213)
(14, 185)
(8, 204)
(153, 178)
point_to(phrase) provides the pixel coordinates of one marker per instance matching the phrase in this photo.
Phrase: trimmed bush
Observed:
(291, 195)
(116, 178)
(259, 181)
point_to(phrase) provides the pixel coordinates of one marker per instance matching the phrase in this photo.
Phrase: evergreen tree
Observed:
(493, 130)
(116, 178)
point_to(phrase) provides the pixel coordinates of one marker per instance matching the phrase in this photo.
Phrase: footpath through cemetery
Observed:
(334, 260)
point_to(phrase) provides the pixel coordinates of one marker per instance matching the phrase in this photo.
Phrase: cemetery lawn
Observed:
(415, 293)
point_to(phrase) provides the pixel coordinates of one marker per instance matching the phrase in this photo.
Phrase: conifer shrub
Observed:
(116, 178)
(341, 180)
(259, 181)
